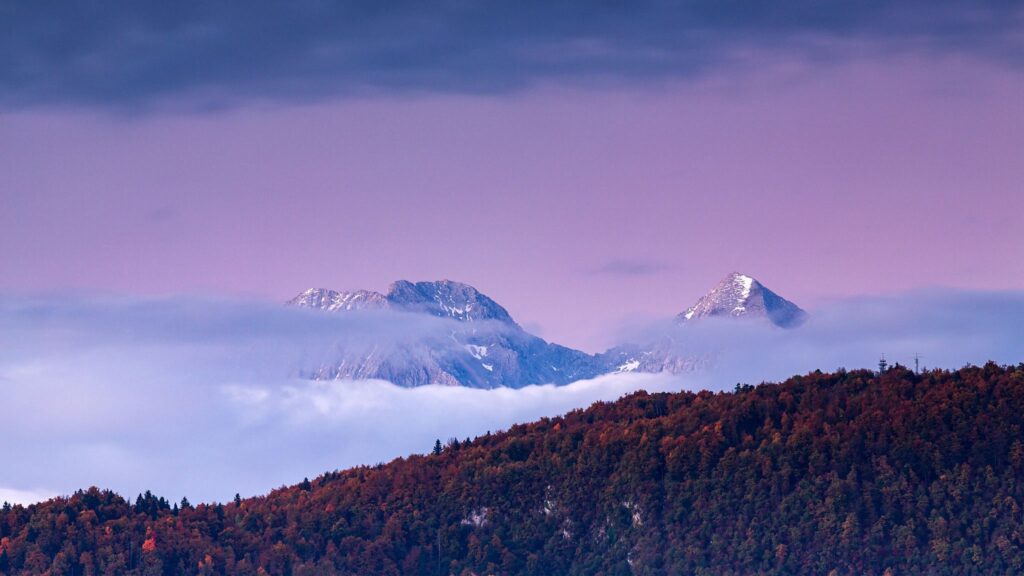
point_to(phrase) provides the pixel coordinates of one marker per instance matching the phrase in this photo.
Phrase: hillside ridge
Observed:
(849, 471)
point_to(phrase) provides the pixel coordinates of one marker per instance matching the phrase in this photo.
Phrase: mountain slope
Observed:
(847, 472)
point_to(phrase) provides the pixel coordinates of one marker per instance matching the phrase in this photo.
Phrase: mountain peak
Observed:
(741, 296)
(333, 300)
(447, 299)
(443, 298)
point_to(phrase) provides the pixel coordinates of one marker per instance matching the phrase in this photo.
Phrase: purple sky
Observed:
(592, 166)
(574, 206)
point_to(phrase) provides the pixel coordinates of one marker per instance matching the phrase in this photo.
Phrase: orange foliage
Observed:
(149, 545)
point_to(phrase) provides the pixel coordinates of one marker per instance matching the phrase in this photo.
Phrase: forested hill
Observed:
(845, 473)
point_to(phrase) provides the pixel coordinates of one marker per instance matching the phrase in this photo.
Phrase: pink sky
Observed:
(822, 182)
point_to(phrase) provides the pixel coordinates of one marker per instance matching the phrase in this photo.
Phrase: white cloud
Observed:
(199, 397)
(947, 328)
(13, 496)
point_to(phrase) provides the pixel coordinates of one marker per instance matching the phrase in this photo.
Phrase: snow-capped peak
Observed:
(740, 295)
(444, 298)
(332, 300)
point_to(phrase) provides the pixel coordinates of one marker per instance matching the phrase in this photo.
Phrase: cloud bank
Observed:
(944, 328)
(198, 397)
(130, 53)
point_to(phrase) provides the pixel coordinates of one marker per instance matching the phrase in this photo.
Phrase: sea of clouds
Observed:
(201, 397)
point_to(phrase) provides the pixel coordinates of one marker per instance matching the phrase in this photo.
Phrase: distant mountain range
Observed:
(486, 348)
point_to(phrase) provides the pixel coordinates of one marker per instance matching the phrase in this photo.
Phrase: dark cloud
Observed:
(126, 53)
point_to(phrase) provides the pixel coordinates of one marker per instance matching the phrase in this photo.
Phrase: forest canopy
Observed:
(844, 473)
